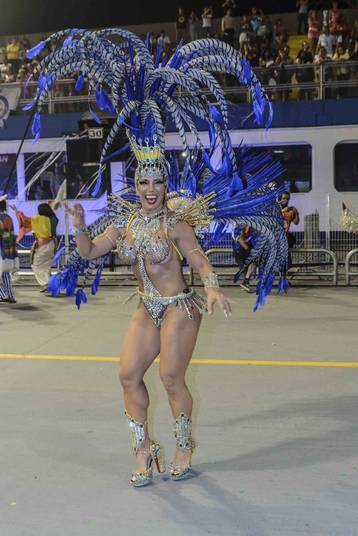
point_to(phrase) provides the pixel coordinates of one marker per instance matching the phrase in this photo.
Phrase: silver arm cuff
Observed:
(79, 229)
(211, 281)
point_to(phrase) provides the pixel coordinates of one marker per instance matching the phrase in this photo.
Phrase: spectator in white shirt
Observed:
(327, 41)
(207, 21)
(228, 27)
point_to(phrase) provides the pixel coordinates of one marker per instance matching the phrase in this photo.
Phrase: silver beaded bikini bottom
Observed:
(156, 304)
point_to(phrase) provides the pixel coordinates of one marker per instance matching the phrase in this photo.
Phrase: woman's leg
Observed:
(178, 336)
(250, 270)
(140, 348)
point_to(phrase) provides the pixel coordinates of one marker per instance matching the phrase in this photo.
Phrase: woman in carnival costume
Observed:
(155, 223)
(43, 226)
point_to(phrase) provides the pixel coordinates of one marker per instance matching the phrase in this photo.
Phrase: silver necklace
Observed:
(145, 227)
(148, 217)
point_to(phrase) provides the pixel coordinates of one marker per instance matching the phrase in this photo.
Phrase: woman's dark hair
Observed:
(44, 209)
(3, 205)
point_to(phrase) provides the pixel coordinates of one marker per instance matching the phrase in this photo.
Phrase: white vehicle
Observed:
(321, 166)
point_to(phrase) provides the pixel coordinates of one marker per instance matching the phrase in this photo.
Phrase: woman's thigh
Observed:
(178, 336)
(140, 346)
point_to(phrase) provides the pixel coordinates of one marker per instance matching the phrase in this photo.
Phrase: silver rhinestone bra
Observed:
(147, 242)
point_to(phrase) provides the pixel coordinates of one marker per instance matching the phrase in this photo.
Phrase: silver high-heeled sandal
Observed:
(154, 452)
(185, 443)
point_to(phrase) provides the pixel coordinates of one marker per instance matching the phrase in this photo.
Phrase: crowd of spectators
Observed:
(16, 67)
(327, 39)
(13, 63)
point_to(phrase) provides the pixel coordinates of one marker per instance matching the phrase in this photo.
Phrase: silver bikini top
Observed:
(156, 250)
(147, 241)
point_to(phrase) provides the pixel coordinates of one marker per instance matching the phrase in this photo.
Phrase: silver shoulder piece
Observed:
(120, 211)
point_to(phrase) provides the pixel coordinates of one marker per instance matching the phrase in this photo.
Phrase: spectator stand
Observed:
(269, 42)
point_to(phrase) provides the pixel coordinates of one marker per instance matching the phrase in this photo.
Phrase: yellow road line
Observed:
(279, 363)
(59, 357)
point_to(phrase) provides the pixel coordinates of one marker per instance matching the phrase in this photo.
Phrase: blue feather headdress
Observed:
(148, 92)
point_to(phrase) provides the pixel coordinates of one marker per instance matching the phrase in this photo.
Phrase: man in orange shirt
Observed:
(290, 215)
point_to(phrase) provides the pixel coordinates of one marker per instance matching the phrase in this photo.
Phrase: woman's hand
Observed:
(77, 215)
(214, 295)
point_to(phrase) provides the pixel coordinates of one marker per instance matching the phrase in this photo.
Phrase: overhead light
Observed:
(278, 151)
(184, 154)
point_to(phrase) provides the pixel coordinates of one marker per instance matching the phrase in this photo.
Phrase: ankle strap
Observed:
(182, 432)
(143, 450)
(137, 431)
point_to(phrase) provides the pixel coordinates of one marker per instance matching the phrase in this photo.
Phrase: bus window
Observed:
(81, 179)
(44, 178)
(8, 184)
(43, 175)
(296, 162)
(346, 167)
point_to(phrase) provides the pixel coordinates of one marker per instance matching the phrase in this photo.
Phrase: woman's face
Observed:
(151, 192)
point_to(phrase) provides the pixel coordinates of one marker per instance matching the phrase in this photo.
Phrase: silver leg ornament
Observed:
(185, 443)
(138, 431)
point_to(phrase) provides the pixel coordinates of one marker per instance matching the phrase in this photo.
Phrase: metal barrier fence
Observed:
(348, 263)
(304, 264)
(307, 263)
(329, 80)
(311, 262)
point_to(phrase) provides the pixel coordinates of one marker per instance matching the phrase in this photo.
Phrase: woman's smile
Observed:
(151, 199)
(151, 192)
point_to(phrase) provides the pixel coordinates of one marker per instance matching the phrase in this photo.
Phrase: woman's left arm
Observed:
(189, 247)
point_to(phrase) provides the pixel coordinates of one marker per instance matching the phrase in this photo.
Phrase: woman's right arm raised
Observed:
(91, 249)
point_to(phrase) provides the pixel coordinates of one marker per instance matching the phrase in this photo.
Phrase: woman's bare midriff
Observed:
(167, 277)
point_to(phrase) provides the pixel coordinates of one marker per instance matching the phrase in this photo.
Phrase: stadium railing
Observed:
(324, 84)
